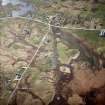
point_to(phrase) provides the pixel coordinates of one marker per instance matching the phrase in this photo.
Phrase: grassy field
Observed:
(42, 87)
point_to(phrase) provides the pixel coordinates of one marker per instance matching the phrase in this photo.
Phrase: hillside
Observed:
(58, 65)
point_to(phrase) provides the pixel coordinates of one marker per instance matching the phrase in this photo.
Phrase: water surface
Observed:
(23, 8)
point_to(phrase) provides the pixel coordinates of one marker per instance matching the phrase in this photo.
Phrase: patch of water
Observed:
(23, 8)
(13, 2)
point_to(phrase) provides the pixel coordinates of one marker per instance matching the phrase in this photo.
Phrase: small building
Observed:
(102, 33)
